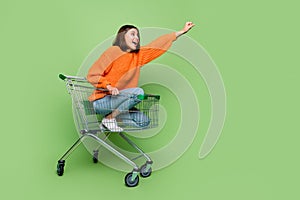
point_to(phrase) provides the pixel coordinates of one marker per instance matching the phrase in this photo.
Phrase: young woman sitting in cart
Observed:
(118, 71)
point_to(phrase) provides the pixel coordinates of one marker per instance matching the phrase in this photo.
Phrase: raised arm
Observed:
(161, 44)
(156, 48)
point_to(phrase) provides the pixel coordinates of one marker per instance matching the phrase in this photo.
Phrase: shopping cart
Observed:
(88, 125)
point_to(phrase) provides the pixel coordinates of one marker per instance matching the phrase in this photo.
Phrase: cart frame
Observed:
(89, 126)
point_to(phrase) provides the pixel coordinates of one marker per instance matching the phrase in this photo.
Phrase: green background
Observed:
(255, 45)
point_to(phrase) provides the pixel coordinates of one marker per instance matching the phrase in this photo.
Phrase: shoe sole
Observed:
(110, 129)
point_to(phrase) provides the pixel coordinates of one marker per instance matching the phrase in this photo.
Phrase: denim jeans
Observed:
(124, 102)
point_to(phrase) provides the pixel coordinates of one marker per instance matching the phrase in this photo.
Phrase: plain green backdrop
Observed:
(255, 45)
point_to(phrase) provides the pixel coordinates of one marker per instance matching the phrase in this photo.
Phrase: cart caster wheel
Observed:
(129, 182)
(145, 173)
(95, 160)
(95, 157)
(60, 167)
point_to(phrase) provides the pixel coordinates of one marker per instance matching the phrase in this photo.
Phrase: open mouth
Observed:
(135, 43)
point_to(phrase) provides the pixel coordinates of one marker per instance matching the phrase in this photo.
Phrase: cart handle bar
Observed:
(77, 78)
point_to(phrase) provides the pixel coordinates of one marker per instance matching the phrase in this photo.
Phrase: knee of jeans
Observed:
(139, 91)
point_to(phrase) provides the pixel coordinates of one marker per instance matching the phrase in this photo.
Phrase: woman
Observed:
(118, 70)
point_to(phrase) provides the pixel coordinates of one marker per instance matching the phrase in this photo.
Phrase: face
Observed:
(132, 39)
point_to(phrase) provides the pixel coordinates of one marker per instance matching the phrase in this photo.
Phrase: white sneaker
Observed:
(111, 124)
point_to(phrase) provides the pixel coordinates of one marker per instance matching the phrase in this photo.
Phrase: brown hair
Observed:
(120, 38)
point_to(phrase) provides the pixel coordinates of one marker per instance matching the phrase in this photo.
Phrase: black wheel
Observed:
(129, 182)
(95, 160)
(95, 156)
(60, 167)
(145, 173)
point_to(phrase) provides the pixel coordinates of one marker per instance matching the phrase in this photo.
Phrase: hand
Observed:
(186, 28)
(112, 90)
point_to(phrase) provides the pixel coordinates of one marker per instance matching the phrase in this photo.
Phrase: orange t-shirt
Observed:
(122, 69)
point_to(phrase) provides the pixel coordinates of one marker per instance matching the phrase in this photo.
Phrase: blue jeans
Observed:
(124, 103)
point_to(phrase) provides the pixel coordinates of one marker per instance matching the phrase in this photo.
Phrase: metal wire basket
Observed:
(147, 110)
